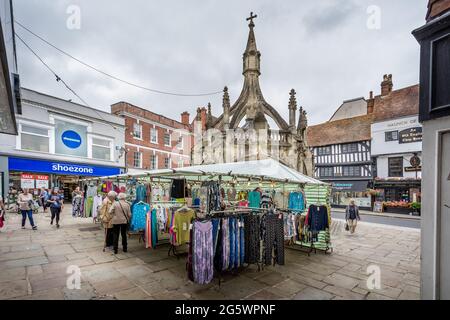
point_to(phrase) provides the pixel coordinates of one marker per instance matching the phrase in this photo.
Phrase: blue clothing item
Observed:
(196, 202)
(236, 243)
(154, 221)
(215, 231)
(138, 216)
(56, 204)
(28, 213)
(297, 201)
(254, 199)
(232, 242)
(242, 241)
(141, 194)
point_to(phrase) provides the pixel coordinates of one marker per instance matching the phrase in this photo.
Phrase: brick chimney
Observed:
(370, 103)
(185, 118)
(437, 8)
(386, 85)
(201, 116)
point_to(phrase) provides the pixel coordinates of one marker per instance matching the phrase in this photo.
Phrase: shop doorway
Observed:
(444, 210)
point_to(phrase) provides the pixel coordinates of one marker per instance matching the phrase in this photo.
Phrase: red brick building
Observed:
(154, 141)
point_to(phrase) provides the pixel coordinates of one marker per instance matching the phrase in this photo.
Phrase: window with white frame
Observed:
(167, 139)
(137, 131)
(137, 159)
(180, 143)
(167, 162)
(154, 135)
(101, 149)
(34, 138)
(180, 164)
(153, 162)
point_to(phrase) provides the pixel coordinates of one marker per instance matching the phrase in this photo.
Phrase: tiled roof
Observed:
(399, 103)
(437, 8)
(340, 131)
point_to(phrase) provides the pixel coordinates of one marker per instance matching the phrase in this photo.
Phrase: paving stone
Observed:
(135, 272)
(310, 293)
(131, 294)
(289, 287)
(271, 279)
(13, 289)
(341, 281)
(12, 274)
(99, 273)
(264, 295)
(58, 250)
(109, 287)
(50, 283)
(24, 262)
(375, 296)
(34, 270)
(86, 292)
(408, 295)
(51, 294)
(16, 255)
(344, 293)
(308, 281)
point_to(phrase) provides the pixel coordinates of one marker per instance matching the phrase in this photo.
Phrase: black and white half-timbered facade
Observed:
(342, 155)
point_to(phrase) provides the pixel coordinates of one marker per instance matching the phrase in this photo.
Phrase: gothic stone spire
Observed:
(226, 108)
(292, 109)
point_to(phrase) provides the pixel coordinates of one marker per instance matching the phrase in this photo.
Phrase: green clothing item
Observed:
(181, 225)
(254, 199)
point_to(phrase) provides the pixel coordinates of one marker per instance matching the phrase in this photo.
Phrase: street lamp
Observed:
(123, 152)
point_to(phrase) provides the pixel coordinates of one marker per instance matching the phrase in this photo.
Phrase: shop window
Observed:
(101, 149)
(34, 138)
(324, 151)
(167, 139)
(395, 167)
(137, 131)
(167, 163)
(153, 162)
(391, 136)
(154, 135)
(137, 157)
(351, 171)
(326, 172)
(350, 148)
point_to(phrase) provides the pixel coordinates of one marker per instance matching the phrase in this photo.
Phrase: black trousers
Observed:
(252, 239)
(274, 240)
(109, 237)
(120, 229)
(55, 214)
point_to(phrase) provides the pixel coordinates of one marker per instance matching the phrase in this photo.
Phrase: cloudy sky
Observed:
(324, 49)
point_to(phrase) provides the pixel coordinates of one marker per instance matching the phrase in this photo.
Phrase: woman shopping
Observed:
(56, 205)
(352, 216)
(25, 201)
(120, 218)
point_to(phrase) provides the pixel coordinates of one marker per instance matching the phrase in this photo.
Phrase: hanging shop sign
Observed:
(410, 135)
(42, 166)
(27, 181)
(41, 181)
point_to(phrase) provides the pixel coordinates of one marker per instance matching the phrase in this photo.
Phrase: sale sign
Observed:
(41, 181)
(27, 181)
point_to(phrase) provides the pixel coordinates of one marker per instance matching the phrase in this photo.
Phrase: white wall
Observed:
(350, 109)
(382, 147)
(431, 209)
(383, 166)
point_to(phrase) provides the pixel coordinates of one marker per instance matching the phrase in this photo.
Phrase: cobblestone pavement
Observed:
(34, 265)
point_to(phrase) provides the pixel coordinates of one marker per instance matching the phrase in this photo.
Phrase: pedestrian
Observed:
(2, 212)
(43, 197)
(76, 202)
(106, 219)
(121, 214)
(56, 205)
(25, 201)
(352, 216)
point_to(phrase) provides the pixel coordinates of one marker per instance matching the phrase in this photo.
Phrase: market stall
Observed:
(227, 215)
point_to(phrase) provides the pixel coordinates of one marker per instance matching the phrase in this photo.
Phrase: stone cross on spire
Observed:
(252, 16)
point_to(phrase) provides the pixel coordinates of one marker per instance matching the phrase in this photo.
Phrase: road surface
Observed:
(392, 221)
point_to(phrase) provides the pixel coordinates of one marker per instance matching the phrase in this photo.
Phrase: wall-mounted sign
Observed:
(355, 186)
(413, 169)
(42, 166)
(415, 161)
(71, 139)
(27, 181)
(41, 181)
(410, 135)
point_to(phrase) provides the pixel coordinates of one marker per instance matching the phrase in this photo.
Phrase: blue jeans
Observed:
(26, 213)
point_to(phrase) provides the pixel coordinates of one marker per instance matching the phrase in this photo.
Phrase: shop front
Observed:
(345, 191)
(398, 196)
(35, 174)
